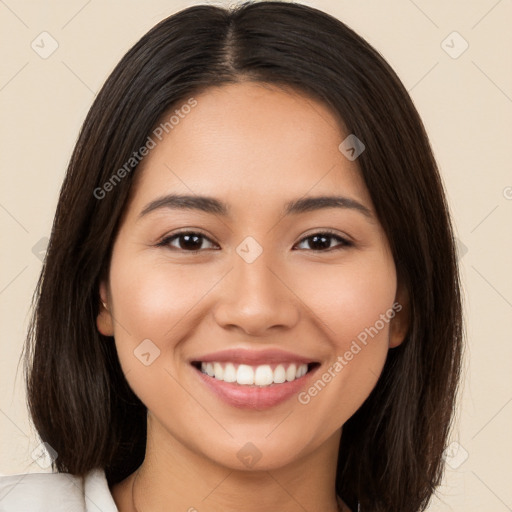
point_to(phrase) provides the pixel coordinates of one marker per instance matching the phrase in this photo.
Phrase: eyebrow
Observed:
(212, 205)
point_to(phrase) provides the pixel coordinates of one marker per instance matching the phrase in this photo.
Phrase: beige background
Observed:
(465, 102)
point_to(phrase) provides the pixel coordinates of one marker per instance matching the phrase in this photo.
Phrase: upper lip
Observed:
(252, 357)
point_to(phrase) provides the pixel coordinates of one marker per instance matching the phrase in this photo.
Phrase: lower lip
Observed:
(254, 397)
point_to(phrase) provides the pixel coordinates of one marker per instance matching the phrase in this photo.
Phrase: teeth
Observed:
(291, 373)
(229, 373)
(209, 369)
(219, 371)
(245, 375)
(261, 375)
(279, 374)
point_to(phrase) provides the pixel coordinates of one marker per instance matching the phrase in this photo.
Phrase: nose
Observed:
(256, 299)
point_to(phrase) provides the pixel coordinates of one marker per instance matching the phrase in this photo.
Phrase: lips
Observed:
(253, 357)
(254, 379)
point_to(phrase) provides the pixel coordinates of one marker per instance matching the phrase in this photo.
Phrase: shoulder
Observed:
(56, 492)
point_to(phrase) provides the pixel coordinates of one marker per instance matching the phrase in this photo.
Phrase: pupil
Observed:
(196, 244)
(324, 241)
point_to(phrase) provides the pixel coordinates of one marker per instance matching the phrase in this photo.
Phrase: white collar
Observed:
(56, 492)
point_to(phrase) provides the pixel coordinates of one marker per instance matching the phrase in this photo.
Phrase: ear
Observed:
(104, 321)
(400, 323)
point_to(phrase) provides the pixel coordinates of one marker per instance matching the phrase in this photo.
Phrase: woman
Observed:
(250, 299)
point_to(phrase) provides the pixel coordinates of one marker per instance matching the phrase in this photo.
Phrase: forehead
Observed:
(252, 142)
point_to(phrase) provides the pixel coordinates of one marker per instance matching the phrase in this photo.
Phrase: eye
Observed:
(188, 241)
(321, 241)
(191, 241)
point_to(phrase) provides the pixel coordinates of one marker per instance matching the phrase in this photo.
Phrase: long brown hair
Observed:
(390, 457)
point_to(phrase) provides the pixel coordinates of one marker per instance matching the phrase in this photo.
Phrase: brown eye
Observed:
(322, 242)
(186, 241)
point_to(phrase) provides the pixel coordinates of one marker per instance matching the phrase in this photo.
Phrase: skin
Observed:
(254, 147)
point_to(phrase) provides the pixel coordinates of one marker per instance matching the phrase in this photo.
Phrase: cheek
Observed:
(354, 307)
(154, 300)
(151, 302)
(151, 298)
(350, 299)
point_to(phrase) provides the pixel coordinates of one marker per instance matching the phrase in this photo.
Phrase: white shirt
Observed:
(56, 492)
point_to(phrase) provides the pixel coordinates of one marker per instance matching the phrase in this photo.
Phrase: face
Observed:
(257, 285)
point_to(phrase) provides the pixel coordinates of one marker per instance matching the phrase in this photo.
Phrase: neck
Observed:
(174, 478)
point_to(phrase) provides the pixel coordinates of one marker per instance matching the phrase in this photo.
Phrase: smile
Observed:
(249, 379)
(247, 375)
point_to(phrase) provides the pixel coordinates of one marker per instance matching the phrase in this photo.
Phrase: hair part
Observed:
(390, 456)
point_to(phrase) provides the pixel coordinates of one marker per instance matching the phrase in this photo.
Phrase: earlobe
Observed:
(104, 318)
(400, 323)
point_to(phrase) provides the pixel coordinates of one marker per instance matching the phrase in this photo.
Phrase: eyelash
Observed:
(165, 242)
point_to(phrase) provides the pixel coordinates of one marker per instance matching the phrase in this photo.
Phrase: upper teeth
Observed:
(261, 375)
